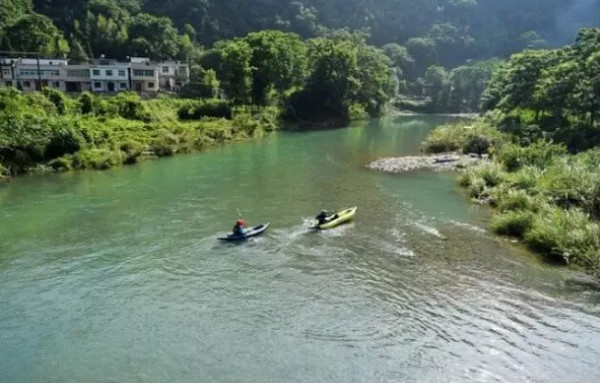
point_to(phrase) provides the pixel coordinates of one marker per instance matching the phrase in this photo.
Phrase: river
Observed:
(117, 276)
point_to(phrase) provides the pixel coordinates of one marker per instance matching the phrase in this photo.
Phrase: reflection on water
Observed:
(117, 276)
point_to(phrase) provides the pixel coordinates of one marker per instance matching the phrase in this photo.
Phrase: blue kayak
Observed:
(254, 232)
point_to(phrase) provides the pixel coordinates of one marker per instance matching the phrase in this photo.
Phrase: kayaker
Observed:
(322, 217)
(240, 227)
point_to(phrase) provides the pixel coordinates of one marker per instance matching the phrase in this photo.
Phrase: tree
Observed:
(423, 50)
(437, 86)
(278, 62)
(35, 33)
(203, 83)
(236, 69)
(13, 10)
(155, 37)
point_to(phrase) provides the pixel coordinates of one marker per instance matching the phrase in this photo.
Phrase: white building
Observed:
(144, 75)
(173, 75)
(34, 74)
(101, 75)
(109, 76)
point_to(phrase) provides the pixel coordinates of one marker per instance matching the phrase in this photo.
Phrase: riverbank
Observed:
(50, 132)
(541, 195)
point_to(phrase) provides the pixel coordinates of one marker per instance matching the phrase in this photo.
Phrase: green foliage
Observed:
(540, 154)
(196, 110)
(479, 138)
(203, 83)
(35, 33)
(100, 132)
(513, 223)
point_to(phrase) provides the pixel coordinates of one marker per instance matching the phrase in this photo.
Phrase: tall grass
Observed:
(93, 132)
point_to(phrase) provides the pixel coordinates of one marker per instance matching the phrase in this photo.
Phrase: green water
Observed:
(117, 276)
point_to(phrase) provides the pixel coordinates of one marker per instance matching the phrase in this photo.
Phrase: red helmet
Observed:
(240, 222)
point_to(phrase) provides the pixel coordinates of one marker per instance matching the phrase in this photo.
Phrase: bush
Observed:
(164, 144)
(513, 223)
(98, 159)
(63, 141)
(539, 154)
(566, 235)
(86, 103)
(130, 107)
(131, 151)
(491, 174)
(513, 200)
(57, 98)
(61, 164)
(197, 110)
(478, 138)
(526, 179)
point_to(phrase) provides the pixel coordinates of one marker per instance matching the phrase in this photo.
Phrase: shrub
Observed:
(477, 187)
(514, 200)
(358, 112)
(478, 138)
(491, 174)
(164, 144)
(57, 98)
(131, 151)
(540, 154)
(98, 159)
(566, 235)
(130, 106)
(61, 164)
(86, 103)
(63, 141)
(196, 110)
(527, 178)
(513, 223)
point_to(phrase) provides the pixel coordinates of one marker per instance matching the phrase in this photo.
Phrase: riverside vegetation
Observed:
(50, 131)
(541, 130)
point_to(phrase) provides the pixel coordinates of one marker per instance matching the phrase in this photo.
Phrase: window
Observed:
(26, 84)
(165, 69)
(56, 84)
(183, 68)
(97, 85)
(6, 72)
(96, 72)
(121, 73)
(27, 72)
(149, 73)
(8, 83)
(123, 85)
(138, 72)
(109, 72)
(150, 85)
(51, 73)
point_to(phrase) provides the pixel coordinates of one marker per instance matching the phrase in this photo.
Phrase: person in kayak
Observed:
(322, 217)
(240, 227)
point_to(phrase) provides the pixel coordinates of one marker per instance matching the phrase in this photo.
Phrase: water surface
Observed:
(117, 276)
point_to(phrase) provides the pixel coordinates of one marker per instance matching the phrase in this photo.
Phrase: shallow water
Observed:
(117, 276)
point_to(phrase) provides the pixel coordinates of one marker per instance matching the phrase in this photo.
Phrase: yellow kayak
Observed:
(337, 218)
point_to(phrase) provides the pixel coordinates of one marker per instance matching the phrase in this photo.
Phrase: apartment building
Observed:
(100, 75)
(173, 75)
(109, 76)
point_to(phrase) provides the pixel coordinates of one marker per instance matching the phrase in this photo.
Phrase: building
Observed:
(173, 75)
(7, 72)
(109, 76)
(144, 75)
(35, 74)
(100, 75)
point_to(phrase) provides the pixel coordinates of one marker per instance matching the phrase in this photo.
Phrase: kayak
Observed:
(254, 232)
(337, 218)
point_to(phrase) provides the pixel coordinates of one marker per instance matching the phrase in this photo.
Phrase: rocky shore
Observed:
(447, 162)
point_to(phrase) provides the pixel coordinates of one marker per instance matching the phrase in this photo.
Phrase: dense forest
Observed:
(440, 50)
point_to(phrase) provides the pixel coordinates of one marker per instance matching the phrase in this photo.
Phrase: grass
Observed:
(53, 131)
(541, 194)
